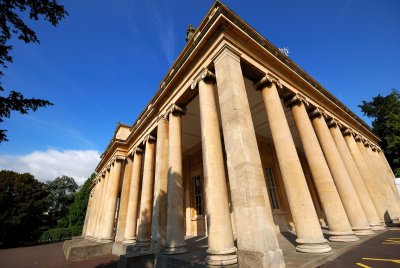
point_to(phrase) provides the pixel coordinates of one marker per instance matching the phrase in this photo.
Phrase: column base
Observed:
(250, 259)
(129, 241)
(313, 247)
(143, 246)
(343, 237)
(387, 223)
(220, 260)
(363, 231)
(396, 221)
(104, 240)
(172, 250)
(221, 257)
(377, 227)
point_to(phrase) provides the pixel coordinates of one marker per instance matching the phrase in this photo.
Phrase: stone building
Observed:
(239, 144)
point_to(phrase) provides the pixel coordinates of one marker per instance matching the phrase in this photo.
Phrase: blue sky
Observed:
(104, 62)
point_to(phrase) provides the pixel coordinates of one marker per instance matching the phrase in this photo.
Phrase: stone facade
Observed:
(239, 144)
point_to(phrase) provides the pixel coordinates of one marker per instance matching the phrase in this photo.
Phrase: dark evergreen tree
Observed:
(77, 210)
(22, 207)
(385, 111)
(61, 195)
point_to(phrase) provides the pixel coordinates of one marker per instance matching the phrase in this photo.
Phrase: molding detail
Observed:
(162, 116)
(297, 98)
(119, 158)
(347, 131)
(205, 75)
(317, 112)
(175, 109)
(267, 80)
(136, 150)
(149, 138)
(333, 122)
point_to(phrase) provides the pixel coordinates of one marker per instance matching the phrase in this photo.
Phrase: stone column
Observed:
(175, 236)
(355, 176)
(86, 232)
(351, 203)
(159, 221)
(99, 218)
(385, 174)
(111, 200)
(374, 181)
(394, 206)
(255, 230)
(367, 177)
(123, 204)
(386, 164)
(221, 248)
(339, 225)
(146, 200)
(133, 203)
(388, 215)
(308, 230)
(87, 215)
(95, 211)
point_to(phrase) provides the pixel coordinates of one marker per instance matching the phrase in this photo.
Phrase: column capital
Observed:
(317, 112)
(357, 137)
(103, 174)
(119, 158)
(109, 166)
(267, 80)
(296, 99)
(374, 148)
(347, 131)
(149, 138)
(136, 150)
(206, 75)
(162, 116)
(333, 122)
(176, 110)
(366, 142)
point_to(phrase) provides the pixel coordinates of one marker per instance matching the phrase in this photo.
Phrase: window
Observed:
(198, 199)
(272, 189)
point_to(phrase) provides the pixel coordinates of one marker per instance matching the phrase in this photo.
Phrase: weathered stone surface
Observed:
(84, 249)
(339, 225)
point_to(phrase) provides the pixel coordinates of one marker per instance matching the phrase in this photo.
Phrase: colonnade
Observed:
(351, 175)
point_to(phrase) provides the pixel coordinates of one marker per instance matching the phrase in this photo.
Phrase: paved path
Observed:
(382, 251)
(48, 256)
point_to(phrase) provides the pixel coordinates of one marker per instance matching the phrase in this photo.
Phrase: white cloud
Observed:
(47, 165)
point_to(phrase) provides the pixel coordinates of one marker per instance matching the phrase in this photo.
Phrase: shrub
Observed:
(75, 230)
(56, 234)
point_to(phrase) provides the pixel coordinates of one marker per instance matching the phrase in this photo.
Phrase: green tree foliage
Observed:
(385, 111)
(11, 24)
(61, 195)
(77, 210)
(22, 207)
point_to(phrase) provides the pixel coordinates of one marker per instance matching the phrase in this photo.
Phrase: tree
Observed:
(77, 210)
(11, 23)
(22, 207)
(385, 111)
(61, 195)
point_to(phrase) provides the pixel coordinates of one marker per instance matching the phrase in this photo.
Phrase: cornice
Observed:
(217, 11)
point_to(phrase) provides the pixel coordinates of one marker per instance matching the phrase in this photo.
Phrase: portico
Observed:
(237, 145)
